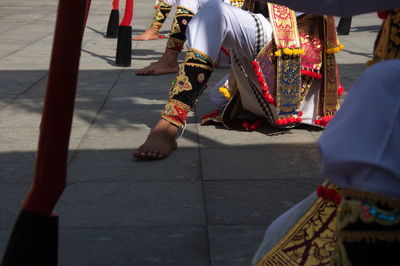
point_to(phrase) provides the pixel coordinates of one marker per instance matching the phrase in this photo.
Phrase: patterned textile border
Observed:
(311, 241)
(284, 24)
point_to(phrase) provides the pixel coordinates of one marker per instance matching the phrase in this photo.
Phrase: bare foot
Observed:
(149, 34)
(168, 63)
(160, 142)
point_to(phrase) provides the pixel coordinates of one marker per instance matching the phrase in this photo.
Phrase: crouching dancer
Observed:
(282, 89)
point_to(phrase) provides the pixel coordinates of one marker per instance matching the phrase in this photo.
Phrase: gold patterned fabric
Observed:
(368, 229)
(284, 24)
(310, 241)
(175, 112)
(237, 3)
(387, 45)
(289, 76)
(178, 30)
(160, 15)
(188, 85)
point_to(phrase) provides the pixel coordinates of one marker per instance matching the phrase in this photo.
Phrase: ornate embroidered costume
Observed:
(294, 72)
(187, 87)
(163, 9)
(177, 36)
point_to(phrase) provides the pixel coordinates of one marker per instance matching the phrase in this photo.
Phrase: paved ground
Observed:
(208, 204)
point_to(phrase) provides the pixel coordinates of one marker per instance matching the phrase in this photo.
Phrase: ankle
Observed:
(167, 127)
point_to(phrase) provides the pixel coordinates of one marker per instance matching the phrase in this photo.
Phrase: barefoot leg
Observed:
(168, 63)
(160, 142)
(149, 34)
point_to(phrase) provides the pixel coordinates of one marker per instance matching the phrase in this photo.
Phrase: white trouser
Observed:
(219, 24)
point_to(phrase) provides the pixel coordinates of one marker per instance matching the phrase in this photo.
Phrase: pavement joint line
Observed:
(208, 239)
(25, 91)
(27, 45)
(95, 116)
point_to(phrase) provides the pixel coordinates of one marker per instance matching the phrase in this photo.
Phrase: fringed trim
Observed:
(323, 121)
(199, 65)
(340, 91)
(383, 14)
(224, 91)
(215, 113)
(261, 80)
(311, 73)
(175, 112)
(237, 3)
(289, 51)
(214, 117)
(331, 194)
(369, 236)
(225, 51)
(251, 126)
(335, 50)
(366, 195)
(288, 121)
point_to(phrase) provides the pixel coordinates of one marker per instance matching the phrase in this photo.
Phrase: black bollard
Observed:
(344, 26)
(124, 46)
(33, 242)
(113, 24)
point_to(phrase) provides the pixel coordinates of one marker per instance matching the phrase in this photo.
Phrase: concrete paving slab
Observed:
(139, 245)
(11, 199)
(119, 166)
(131, 203)
(254, 202)
(234, 245)
(261, 162)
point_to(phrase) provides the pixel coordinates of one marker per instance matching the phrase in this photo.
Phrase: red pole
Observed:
(51, 162)
(34, 237)
(115, 4)
(124, 44)
(127, 19)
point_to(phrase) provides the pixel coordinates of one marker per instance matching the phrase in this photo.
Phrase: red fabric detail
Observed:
(383, 14)
(255, 125)
(329, 194)
(216, 112)
(225, 51)
(340, 91)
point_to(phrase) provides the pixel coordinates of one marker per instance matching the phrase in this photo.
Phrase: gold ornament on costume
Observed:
(182, 83)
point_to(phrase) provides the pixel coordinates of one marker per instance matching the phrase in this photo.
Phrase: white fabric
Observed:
(344, 8)
(218, 24)
(216, 96)
(361, 146)
(196, 5)
(170, 2)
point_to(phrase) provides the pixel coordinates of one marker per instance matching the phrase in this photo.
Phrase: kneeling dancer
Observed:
(297, 82)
